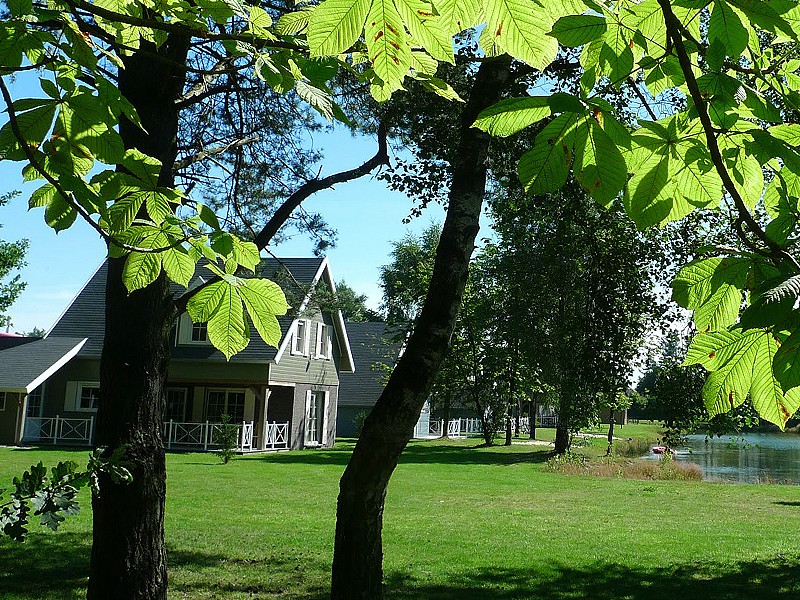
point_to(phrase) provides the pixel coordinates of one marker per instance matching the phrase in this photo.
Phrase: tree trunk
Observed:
(532, 418)
(562, 438)
(128, 553)
(610, 432)
(446, 414)
(509, 422)
(358, 552)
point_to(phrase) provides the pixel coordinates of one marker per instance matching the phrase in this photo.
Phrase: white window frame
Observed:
(3, 400)
(185, 325)
(296, 337)
(323, 345)
(40, 391)
(79, 393)
(325, 399)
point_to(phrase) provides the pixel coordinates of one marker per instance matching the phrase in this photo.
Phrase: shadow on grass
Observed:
(47, 565)
(56, 567)
(776, 579)
(420, 454)
(785, 503)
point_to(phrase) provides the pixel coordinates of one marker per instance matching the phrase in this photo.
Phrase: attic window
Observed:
(300, 341)
(199, 332)
(323, 349)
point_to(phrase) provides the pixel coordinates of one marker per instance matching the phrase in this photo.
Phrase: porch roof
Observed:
(25, 367)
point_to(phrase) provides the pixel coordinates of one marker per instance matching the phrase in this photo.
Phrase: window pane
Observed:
(216, 405)
(199, 332)
(35, 403)
(236, 406)
(90, 397)
(176, 405)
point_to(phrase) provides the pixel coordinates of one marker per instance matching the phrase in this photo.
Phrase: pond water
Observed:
(746, 458)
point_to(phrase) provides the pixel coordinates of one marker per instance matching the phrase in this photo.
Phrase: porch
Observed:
(187, 436)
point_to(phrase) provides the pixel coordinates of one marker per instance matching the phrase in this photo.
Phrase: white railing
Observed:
(276, 436)
(205, 435)
(456, 428)
(58, 430)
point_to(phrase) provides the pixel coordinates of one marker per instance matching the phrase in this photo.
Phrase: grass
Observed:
(461, 522)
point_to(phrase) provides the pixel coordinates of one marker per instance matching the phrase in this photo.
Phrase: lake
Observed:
(746, 458)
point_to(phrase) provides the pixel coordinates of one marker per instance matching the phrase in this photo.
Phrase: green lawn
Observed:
(461, 522)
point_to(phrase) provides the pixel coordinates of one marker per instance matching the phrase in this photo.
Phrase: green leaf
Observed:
(387, 43)
(599, 166)
(458, 15)
(726, 29)
(140, 270)
(741, 363)
(335, 25)
(520, 27)
(712, 288)
(245, 254)
(203, 304)
(227, 329)
(178, 265)
(293, 22)
(512, 115)
(577, 30)
(208, 217)
(59, 214)
(426, 29)
(786, 364)
(544, 168)
(34, 125)
(264, 299)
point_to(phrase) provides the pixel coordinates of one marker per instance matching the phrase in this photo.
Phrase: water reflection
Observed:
(747, 458)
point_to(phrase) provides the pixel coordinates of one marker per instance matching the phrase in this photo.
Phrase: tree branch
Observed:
(674, 33)
(289, 205)
(203, 154)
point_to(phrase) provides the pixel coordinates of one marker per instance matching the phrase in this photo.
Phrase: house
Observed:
(374, 355)
(282, 398)
(375, 351)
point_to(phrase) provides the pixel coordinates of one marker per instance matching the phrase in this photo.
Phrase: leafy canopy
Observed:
(730, 139)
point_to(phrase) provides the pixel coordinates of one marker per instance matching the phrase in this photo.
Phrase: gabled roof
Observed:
(375, 352)
(24, 367)
(85, 316)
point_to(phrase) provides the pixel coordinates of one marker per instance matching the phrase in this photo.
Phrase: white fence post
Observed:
(91, 429)
(169, 436)
(205, 438)
(55, 431)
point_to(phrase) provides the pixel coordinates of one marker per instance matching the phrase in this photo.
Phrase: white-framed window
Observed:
(316, 418)
(225, 402)
(35, 403)
(175, 409)
(323, 349)
(190, 333)
(300, 339)
(88, 396)
(3, 400)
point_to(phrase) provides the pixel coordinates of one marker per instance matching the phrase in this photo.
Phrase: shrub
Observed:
(358, 421)
(227, 436)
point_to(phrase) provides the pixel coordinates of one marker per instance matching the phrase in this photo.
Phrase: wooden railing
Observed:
(59, 430)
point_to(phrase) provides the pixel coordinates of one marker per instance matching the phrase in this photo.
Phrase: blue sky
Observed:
(367, 216)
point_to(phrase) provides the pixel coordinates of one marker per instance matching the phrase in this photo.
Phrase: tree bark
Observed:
(562, 438)
(532, 418)
(357, 562)
(128, 552)
(610, 432)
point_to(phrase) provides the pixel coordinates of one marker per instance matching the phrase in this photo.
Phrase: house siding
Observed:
(55, 401)
(9, 418)
(308, 369)
(299, 414)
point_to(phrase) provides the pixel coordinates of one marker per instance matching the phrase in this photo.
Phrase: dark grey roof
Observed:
(22, 365)
(86, 315)
(372, 346)
(15, 340)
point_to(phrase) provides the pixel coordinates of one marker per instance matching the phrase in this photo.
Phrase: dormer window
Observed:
(199, 332)
(323, 349)
(300, 341)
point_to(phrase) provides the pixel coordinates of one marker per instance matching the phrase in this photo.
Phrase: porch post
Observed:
(91, 429)
(55, 432)
(262, 438)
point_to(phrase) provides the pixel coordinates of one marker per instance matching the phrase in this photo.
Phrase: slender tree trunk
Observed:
(358, 552)
(532, 418)
(610, 432)
(509, 422)
(128, 553)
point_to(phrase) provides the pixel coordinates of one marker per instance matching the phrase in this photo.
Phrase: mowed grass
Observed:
(461, 522)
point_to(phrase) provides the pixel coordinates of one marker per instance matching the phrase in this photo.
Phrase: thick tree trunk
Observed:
(358, 554)
(128, 553)
(562, 438)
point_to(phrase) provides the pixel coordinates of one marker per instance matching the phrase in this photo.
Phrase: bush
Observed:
(227, 436)
(358, 421)
(664, 469)
(633, 448)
